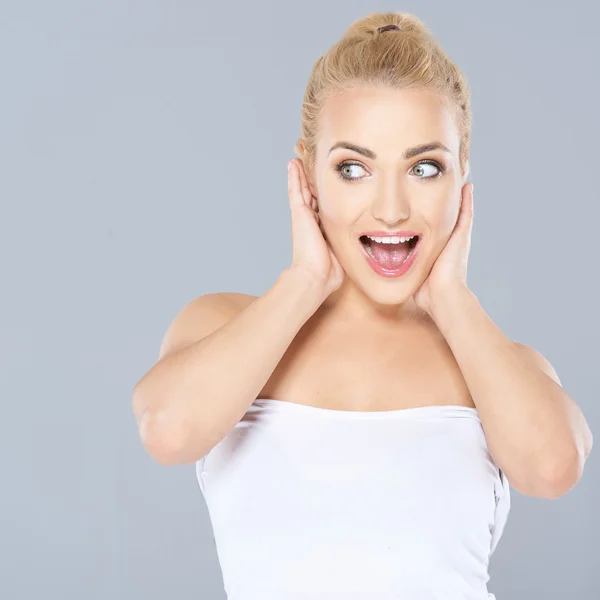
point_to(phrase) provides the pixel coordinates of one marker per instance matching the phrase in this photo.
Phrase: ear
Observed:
(300, 150)
(311, 186)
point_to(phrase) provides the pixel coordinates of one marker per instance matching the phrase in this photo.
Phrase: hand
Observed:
(449, 272)
(311, 253)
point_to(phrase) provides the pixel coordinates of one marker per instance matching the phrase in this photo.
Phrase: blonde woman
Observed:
(355, 428)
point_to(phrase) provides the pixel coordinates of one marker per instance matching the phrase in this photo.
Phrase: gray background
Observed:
(143, 148)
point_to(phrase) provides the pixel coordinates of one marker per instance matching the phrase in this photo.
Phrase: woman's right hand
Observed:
(311, 253)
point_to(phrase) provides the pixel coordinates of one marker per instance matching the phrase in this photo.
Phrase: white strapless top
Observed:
(310, 503)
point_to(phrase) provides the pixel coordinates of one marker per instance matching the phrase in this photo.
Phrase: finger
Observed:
(294, 192)
(468, 215)
(305, 188)
(466, 208)
(472, 205)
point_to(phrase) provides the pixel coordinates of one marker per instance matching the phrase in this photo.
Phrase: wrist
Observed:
(304, 285)
(446, 307)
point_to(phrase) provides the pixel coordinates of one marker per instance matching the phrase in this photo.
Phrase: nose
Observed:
(391, 204)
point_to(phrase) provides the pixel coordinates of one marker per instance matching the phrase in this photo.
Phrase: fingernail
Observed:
(289, 165)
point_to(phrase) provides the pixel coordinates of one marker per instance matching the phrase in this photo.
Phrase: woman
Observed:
(355, 428)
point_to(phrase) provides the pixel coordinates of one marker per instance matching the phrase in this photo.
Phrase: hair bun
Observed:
(380, 22)
(387, 28)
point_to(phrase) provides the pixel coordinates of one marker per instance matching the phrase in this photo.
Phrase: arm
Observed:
(535, 431)
(193, 396)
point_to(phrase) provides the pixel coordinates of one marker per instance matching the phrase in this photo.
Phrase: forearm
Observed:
(534, 430)
(198, 394)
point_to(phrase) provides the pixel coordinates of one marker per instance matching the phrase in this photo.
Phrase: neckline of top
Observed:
(428, 410)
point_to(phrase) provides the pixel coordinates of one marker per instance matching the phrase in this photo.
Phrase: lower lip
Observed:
(400, 270)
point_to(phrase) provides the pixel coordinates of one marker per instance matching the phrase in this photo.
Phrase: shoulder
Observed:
(538, 359)
(200, 317)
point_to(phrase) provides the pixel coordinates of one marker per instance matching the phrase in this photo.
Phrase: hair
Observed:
(364, 57)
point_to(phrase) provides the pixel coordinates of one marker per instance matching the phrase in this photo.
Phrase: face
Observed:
(388, 189)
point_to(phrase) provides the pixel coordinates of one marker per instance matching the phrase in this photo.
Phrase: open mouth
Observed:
(391, 252)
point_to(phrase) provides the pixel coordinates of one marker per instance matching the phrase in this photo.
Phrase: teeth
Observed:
(393, 239)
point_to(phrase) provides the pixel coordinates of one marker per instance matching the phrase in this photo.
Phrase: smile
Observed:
(390, 256)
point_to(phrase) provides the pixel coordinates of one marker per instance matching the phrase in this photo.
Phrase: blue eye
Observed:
(428, 163)
(345, 165)
(421, 166)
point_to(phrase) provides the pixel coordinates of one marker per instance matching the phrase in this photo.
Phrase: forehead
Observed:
(386, 120)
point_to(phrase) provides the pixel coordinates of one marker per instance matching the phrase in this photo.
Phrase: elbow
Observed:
(168, 437)
(157, 436)
(170, 443)
(560, 475)
(161, 442)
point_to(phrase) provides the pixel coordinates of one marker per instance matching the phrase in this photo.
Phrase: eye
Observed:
(347, 168)
(421, 169)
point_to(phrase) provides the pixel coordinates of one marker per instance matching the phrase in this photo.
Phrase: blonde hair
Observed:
(408, 58)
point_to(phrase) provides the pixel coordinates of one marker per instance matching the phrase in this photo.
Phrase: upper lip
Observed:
(390, 233)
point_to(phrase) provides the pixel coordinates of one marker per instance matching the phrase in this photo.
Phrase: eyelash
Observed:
(346, 163)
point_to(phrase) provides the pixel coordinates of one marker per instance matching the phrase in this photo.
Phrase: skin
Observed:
(387, 193)
(369, 315)
(423, 338)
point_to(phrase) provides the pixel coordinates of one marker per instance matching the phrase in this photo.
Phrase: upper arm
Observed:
(199, 318)
(195, 321)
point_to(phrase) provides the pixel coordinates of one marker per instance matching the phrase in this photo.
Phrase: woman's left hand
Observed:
(449, 272)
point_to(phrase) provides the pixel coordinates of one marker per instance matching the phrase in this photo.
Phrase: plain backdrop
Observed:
(143, 152)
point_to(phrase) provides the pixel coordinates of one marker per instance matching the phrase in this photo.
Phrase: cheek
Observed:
(448, 220)
(340, 203)
(445, 219)
(334, 215)
(338, 209)
(441, 224)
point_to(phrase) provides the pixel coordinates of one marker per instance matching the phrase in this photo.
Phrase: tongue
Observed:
(389, 255)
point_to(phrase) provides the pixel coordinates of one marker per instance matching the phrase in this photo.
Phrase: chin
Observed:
(387, 296)
(385, 291)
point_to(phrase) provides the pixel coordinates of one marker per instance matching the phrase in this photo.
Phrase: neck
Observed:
(351, 303)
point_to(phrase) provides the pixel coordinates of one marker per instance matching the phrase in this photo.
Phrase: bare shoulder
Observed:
(200, 317)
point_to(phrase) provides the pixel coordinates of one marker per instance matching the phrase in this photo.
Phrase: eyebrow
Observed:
(408, 153)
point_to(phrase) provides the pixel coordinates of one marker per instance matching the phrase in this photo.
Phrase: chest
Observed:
(404, 368)
(383, 501)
